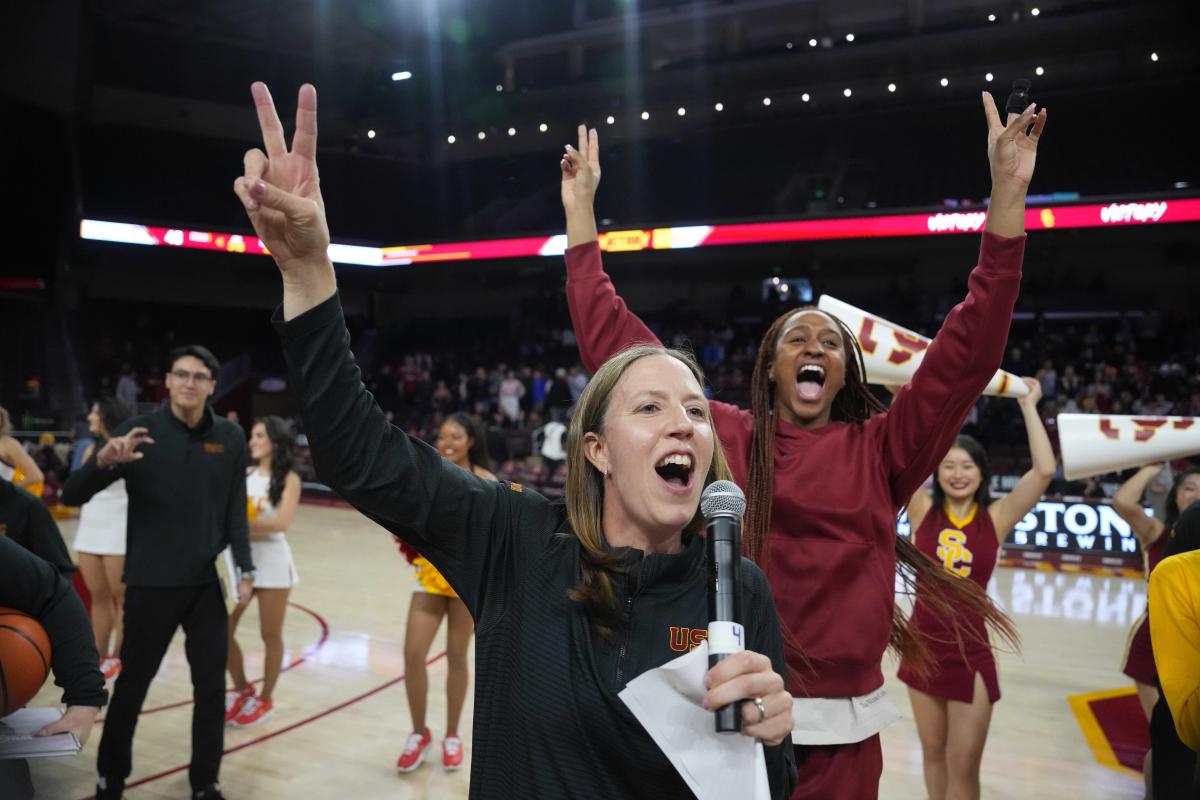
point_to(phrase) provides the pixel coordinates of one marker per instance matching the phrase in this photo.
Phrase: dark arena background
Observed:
(757, 155)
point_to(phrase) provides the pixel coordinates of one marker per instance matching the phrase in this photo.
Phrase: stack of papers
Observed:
(17, 738)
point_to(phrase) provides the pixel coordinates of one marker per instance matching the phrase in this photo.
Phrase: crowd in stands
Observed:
(526, 373)
(1124, 365)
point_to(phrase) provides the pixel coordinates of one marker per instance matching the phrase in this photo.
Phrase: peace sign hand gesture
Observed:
(581, 171)
(580, 179)
(282, 195)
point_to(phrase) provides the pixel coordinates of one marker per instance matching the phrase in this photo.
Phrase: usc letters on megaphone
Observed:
(1093, 444)
(892, 353)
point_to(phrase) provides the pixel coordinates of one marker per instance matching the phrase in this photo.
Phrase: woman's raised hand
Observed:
(581, 172)
(1035, 393)
(1012, 148)
(282, 195)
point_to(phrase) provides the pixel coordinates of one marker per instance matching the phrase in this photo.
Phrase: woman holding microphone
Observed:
(570, 601)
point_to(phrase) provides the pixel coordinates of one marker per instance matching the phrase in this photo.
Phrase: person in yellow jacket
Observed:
(1175, 598)
(1175, 634)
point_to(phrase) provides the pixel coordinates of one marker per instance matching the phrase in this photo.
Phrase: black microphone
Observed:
(722, 505)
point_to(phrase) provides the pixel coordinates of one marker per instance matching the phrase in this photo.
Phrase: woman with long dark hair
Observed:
(961, 528)
(272, 495)
(100, 542)
(462, 441)
(826, 468)
(572, 600)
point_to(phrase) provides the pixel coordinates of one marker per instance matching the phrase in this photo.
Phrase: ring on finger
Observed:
(762, 710)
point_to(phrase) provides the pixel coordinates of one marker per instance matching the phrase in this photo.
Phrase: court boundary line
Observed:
(1093, 734)
(286, 729)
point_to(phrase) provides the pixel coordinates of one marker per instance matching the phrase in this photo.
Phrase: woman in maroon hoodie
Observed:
(826, 469)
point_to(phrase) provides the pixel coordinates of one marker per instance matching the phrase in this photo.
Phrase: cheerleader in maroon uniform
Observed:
(961, 529)
(1152, 534)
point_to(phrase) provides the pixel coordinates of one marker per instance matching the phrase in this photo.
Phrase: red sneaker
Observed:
(111, 667)
(254, 710)
(414, 751)
(452, 753)
(234, 701)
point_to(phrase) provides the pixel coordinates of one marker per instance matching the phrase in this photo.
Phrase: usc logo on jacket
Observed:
(685, 639)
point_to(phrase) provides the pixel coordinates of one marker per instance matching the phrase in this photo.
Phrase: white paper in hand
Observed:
(714, 765)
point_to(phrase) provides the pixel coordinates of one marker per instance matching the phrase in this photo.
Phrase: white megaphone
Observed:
(892, 354)
(1093, 444)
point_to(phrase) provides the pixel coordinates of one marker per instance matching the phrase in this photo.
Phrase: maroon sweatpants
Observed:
(842, 771)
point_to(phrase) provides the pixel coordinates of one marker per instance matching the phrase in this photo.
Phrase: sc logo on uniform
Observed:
(953, 553)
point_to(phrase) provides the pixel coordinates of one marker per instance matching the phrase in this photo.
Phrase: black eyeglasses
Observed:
(199, 378)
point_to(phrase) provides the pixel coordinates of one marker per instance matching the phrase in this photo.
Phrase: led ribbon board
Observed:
(1095, 215)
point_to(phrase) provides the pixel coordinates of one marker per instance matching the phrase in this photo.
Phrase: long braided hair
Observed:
(947, 594)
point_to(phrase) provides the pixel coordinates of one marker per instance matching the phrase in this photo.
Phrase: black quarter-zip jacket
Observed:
(187, 499)
(26, 520)
(548, 721)
(31, 584)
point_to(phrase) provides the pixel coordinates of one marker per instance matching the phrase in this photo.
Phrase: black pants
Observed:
(151, 617)
(1174, 766)
(15, 783)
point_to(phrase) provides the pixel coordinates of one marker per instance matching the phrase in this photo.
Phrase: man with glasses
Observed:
(185, 472)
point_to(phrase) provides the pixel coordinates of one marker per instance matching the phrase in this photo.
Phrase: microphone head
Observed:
(722, 498)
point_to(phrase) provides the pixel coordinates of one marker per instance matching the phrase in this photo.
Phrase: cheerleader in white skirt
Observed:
(272, 495)
(100, 543)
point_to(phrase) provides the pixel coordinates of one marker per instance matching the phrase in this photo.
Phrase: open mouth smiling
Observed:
(675, 470)
(810, 380)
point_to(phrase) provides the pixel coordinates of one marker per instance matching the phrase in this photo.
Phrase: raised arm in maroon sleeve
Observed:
(928, 413)
(604, 325)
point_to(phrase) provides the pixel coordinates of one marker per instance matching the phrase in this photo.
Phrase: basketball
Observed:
(24, 659)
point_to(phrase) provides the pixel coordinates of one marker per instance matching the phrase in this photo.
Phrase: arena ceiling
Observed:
(488, 65)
